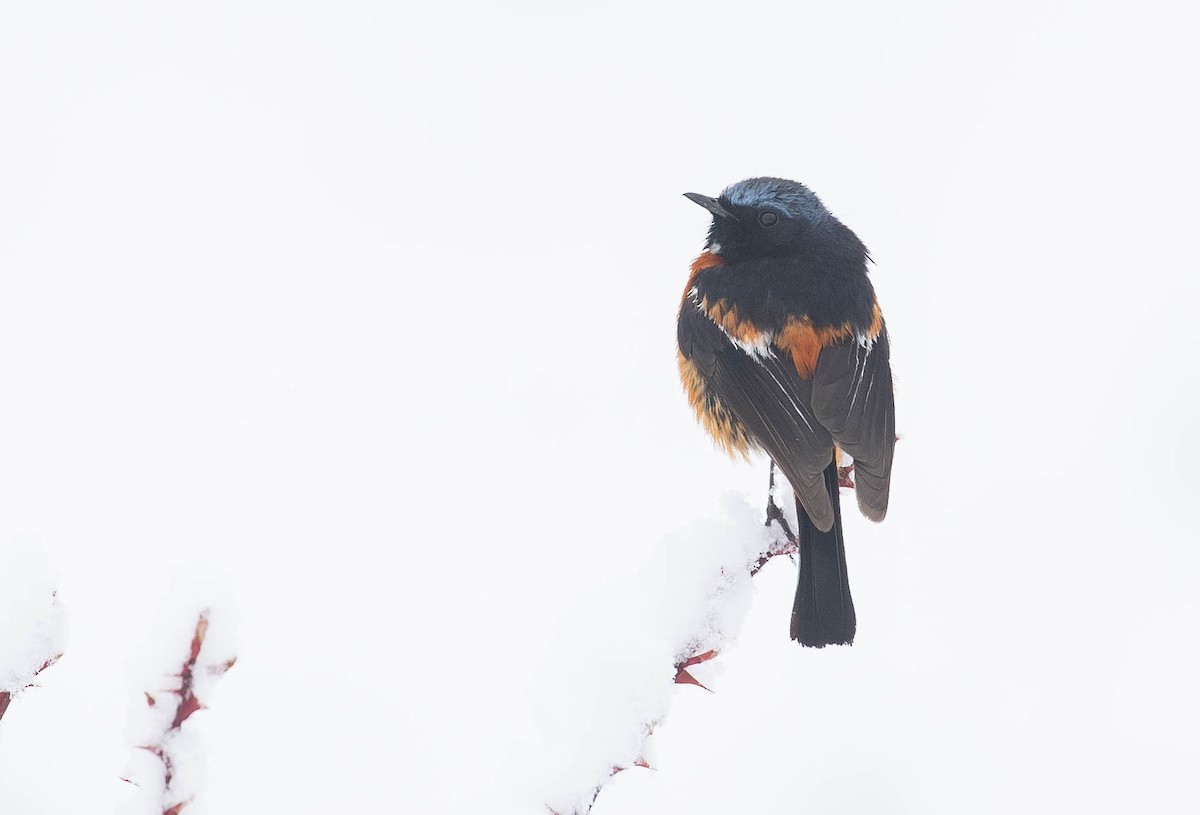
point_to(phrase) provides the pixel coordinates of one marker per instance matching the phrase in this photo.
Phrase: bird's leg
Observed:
(788, 546)
(844, 479)
(774, 513)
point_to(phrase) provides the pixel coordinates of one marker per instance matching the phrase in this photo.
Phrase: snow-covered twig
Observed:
(6, 697)
(186, 704)
(32, 628)
(700, 648)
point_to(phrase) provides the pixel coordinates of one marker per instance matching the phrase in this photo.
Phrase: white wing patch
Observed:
(759, 349)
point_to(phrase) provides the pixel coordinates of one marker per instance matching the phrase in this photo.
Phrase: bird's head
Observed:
(763, 217)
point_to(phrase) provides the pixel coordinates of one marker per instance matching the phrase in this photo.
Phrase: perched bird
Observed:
(782, 348)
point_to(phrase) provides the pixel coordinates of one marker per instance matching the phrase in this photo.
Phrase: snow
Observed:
(353, 324)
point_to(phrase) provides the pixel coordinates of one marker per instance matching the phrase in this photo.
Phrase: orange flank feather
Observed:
(726, 316)
(804, 341)
(723, 426)
(706, 260)
(721, 312)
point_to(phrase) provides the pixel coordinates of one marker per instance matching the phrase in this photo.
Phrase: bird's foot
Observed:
(844, 479)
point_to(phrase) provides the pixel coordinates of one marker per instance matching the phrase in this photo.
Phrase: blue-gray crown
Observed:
(790, 197)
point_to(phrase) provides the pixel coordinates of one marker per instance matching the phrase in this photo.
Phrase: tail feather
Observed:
(823, 613)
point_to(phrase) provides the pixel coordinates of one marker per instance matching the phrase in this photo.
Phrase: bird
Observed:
(782, 348)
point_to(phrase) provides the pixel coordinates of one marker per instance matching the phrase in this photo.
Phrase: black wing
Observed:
(771, 402)
(852, 398)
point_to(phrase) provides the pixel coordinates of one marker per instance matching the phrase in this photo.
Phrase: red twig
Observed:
(186, 705)
(638, 762)
(6, 696)
(779, 547)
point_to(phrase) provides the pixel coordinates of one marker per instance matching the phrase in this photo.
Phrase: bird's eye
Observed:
(768, 218)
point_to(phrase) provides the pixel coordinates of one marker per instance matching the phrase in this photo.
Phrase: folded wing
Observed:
(771, 402)
(852, 399)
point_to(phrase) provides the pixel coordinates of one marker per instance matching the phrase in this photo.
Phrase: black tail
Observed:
(823, 613)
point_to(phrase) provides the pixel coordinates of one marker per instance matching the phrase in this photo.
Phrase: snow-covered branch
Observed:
(31, 622)
(702, 632)
(170, 709)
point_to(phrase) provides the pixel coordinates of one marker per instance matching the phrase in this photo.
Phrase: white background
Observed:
(355, 322)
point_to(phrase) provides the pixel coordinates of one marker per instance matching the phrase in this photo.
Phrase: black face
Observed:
(752, 232)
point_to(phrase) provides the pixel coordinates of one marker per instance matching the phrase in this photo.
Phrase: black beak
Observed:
(710, 204)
